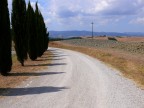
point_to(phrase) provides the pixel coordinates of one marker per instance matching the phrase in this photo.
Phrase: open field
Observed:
(122, 38)
(132, 47)
(20, 74)
(128, 57)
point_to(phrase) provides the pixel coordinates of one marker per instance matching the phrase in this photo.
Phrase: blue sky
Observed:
(107, 15)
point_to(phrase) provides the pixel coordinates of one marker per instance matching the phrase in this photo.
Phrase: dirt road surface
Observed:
(74, 80)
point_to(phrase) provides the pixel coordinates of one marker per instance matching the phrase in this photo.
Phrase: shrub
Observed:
(112, 38)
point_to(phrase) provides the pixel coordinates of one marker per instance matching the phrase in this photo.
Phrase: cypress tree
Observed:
(18, 26)
(46, 39)
(31, 33)
(5, 39)
(38, 30)
(44, 35)
(41, 32)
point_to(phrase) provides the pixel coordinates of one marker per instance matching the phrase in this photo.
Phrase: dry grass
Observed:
(20, 74)
(131, 39)
(131, 66)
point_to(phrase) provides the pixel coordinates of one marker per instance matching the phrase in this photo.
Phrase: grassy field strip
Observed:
(130, 68)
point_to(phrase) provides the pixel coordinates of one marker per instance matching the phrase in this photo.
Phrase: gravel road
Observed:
(75, 80)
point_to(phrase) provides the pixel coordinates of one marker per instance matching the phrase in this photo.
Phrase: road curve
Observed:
(75, 80)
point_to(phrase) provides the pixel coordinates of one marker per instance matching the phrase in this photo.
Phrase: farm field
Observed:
(134, 47)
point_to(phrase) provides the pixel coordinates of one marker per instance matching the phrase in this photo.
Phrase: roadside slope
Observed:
(75, 80)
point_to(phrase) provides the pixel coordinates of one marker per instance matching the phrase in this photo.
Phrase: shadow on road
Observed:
(30, 90)
(52, 64)
(52, 50)
(35, 74)
(57, 55)
(49, 59)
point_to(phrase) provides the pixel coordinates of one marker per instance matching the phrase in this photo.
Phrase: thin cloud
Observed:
(139, 20)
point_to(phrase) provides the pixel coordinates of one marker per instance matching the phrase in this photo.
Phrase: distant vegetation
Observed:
(56, 39)
(28, 32)
(75, 38)
(59, 39)
(112, 38)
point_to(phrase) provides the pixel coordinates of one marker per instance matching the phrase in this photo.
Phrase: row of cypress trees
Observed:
(29, 31)
(37, 33)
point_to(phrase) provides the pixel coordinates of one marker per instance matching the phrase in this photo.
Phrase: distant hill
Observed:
(67, 34)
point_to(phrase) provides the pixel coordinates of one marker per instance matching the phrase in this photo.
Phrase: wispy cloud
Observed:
(139, 20)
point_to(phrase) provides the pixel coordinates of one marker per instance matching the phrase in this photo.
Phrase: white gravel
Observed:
(75, 80)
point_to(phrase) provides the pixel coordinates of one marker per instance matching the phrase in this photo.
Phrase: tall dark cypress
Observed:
(5, 39)
(31, 33)
(38, 30)
(46, 37)
(42, 34)
(18, 26)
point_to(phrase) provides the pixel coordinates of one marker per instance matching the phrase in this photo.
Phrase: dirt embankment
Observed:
(129, 62)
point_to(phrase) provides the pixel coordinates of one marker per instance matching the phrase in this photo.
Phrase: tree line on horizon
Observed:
(29, 33)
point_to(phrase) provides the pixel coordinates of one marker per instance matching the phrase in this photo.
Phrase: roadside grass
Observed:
(128, 66)
(31, 69)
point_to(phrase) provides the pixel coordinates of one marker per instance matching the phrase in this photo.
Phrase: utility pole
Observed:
(92, 29)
